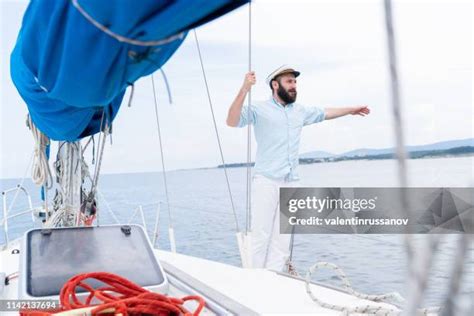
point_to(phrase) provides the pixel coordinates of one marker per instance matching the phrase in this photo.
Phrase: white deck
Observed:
(262, 291)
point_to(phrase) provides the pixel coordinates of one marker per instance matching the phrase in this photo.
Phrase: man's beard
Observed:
(285, 95)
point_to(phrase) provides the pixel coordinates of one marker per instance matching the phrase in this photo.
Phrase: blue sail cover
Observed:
(70, 72)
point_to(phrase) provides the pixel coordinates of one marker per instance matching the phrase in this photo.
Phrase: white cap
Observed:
(285, 69)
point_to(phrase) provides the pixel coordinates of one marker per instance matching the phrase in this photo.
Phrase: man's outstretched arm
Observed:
(332, 113)
(235, 109)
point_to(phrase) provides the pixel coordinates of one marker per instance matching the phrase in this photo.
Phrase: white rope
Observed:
(41, 173)
(163, 74)
(419, 278)
(67, 201)
(390, 298)
(122, 38)
(418, 265)
(167, 85)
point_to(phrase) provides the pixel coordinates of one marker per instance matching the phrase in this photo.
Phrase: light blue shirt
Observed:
(277, 130)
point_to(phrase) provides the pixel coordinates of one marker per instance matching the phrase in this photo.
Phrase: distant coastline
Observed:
(444, 149)
(418, 154)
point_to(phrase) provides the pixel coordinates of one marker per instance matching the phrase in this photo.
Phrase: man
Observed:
(277, 123)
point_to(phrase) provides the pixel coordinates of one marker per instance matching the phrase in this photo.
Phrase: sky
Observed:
(340, 49)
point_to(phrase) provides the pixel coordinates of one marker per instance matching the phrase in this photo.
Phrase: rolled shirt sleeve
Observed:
(244, 116)
(313, 115)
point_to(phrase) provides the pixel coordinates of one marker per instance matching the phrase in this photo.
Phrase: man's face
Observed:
(287, 88)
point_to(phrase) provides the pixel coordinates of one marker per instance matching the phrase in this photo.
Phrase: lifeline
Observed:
(315, 221)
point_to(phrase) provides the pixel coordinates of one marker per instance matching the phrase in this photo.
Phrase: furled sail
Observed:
(73, 60)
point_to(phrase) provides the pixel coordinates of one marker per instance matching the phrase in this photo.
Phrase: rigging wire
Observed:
(249, 130)
(104, 128)
(161, 151)
(216, 131)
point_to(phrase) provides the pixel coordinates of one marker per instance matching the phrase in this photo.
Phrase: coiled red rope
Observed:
(117, 296)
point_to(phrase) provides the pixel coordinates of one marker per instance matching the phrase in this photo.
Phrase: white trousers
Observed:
(270, 249)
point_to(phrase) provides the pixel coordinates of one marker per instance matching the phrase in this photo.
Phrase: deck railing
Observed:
(37, 211)
(6, 209)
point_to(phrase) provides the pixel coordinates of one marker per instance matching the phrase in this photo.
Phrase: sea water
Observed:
(201, 213)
